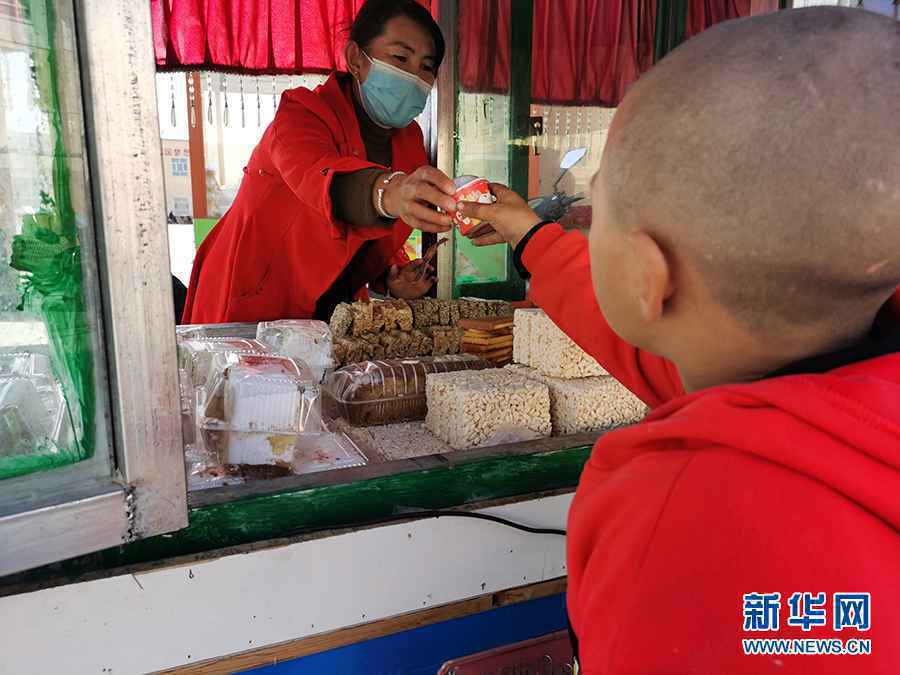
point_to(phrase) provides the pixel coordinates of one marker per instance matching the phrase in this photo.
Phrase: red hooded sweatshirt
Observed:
(785, 485)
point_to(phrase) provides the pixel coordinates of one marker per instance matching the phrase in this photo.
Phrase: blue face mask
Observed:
(391, 96)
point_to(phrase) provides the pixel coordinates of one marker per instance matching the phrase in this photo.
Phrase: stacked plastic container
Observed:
(253, 402)
(33, 414)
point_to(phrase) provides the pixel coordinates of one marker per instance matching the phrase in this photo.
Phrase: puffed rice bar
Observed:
(587, 404)
(466, 409)
(554, 354)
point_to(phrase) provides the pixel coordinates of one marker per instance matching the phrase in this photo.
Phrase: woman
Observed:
(334, 187)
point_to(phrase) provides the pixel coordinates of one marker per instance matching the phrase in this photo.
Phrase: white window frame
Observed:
(147, 493)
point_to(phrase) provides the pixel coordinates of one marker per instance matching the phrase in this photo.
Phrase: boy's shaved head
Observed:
(765, 153)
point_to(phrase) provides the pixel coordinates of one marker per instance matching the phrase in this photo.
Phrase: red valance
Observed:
(588, 52)
(253, 36)
(584, 51)
(702, 14)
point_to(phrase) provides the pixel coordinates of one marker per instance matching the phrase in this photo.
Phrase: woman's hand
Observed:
(506, 221)
(415, 279)
(408, 282)
(415, 197)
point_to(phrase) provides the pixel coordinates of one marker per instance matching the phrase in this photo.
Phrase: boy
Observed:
(745, 250)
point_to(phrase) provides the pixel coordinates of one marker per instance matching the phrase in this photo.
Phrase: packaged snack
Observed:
(384, 392)
(471, 189)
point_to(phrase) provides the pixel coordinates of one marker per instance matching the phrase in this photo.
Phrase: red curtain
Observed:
(702, 14)
(484, 32)
(763, 6)
(585, 52)
(252, 36)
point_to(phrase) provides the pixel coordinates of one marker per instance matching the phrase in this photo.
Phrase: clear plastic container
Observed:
(24, 364)
(304, 339)
(26, 423)
(326, 451)
(373, 393)
(257, 408)
(246, 331)
(204, 358)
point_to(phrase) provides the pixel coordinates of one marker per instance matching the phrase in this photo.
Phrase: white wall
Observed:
(177, 615)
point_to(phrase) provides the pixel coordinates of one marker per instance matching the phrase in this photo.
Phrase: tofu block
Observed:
(522, 335)
(587, 404)
(554, 354)
(472, 409)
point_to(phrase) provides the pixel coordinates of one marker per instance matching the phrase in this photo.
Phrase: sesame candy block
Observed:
(553, 353)
(341, 320)
(422, 344)
(363, 318)
(587, 404)
(522, 335)
(471, 409)
(425, 312)
(444, 312)
(404, 316)
(441, 338)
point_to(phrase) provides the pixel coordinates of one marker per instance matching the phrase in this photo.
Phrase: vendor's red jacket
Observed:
(279, 248)
(785, 485)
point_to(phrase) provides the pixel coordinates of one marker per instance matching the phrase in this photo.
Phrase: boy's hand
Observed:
(508, 220)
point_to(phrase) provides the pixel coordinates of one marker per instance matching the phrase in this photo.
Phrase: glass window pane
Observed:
(53, 397)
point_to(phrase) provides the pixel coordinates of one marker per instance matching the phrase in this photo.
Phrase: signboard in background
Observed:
(176, 161)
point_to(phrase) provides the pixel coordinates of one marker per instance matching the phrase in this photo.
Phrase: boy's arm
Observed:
(561, 285)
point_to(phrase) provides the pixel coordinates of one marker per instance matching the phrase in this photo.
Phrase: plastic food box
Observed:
(256, 408)
(303, 339)
(203, 358)
(373, 393)
(246, 331)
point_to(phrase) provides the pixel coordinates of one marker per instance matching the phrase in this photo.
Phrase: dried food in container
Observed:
(384, 392)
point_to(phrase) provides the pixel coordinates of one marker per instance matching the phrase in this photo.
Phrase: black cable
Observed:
(422, 515)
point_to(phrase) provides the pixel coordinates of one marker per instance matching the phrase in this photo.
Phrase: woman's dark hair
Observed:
(374, 14)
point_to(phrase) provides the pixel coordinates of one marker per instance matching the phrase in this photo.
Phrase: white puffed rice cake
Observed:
(522, 335)
(467, 409)
(587, 404)
(553, 353)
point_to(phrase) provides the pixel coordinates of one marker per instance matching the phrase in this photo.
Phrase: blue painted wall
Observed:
(423, 651)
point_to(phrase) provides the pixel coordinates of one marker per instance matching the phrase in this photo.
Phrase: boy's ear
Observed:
(654, 276)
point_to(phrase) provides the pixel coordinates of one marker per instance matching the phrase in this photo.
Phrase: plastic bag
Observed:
(203, 359)
(306, 340)
(373, 393)
(246, 331)
(257, 408)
